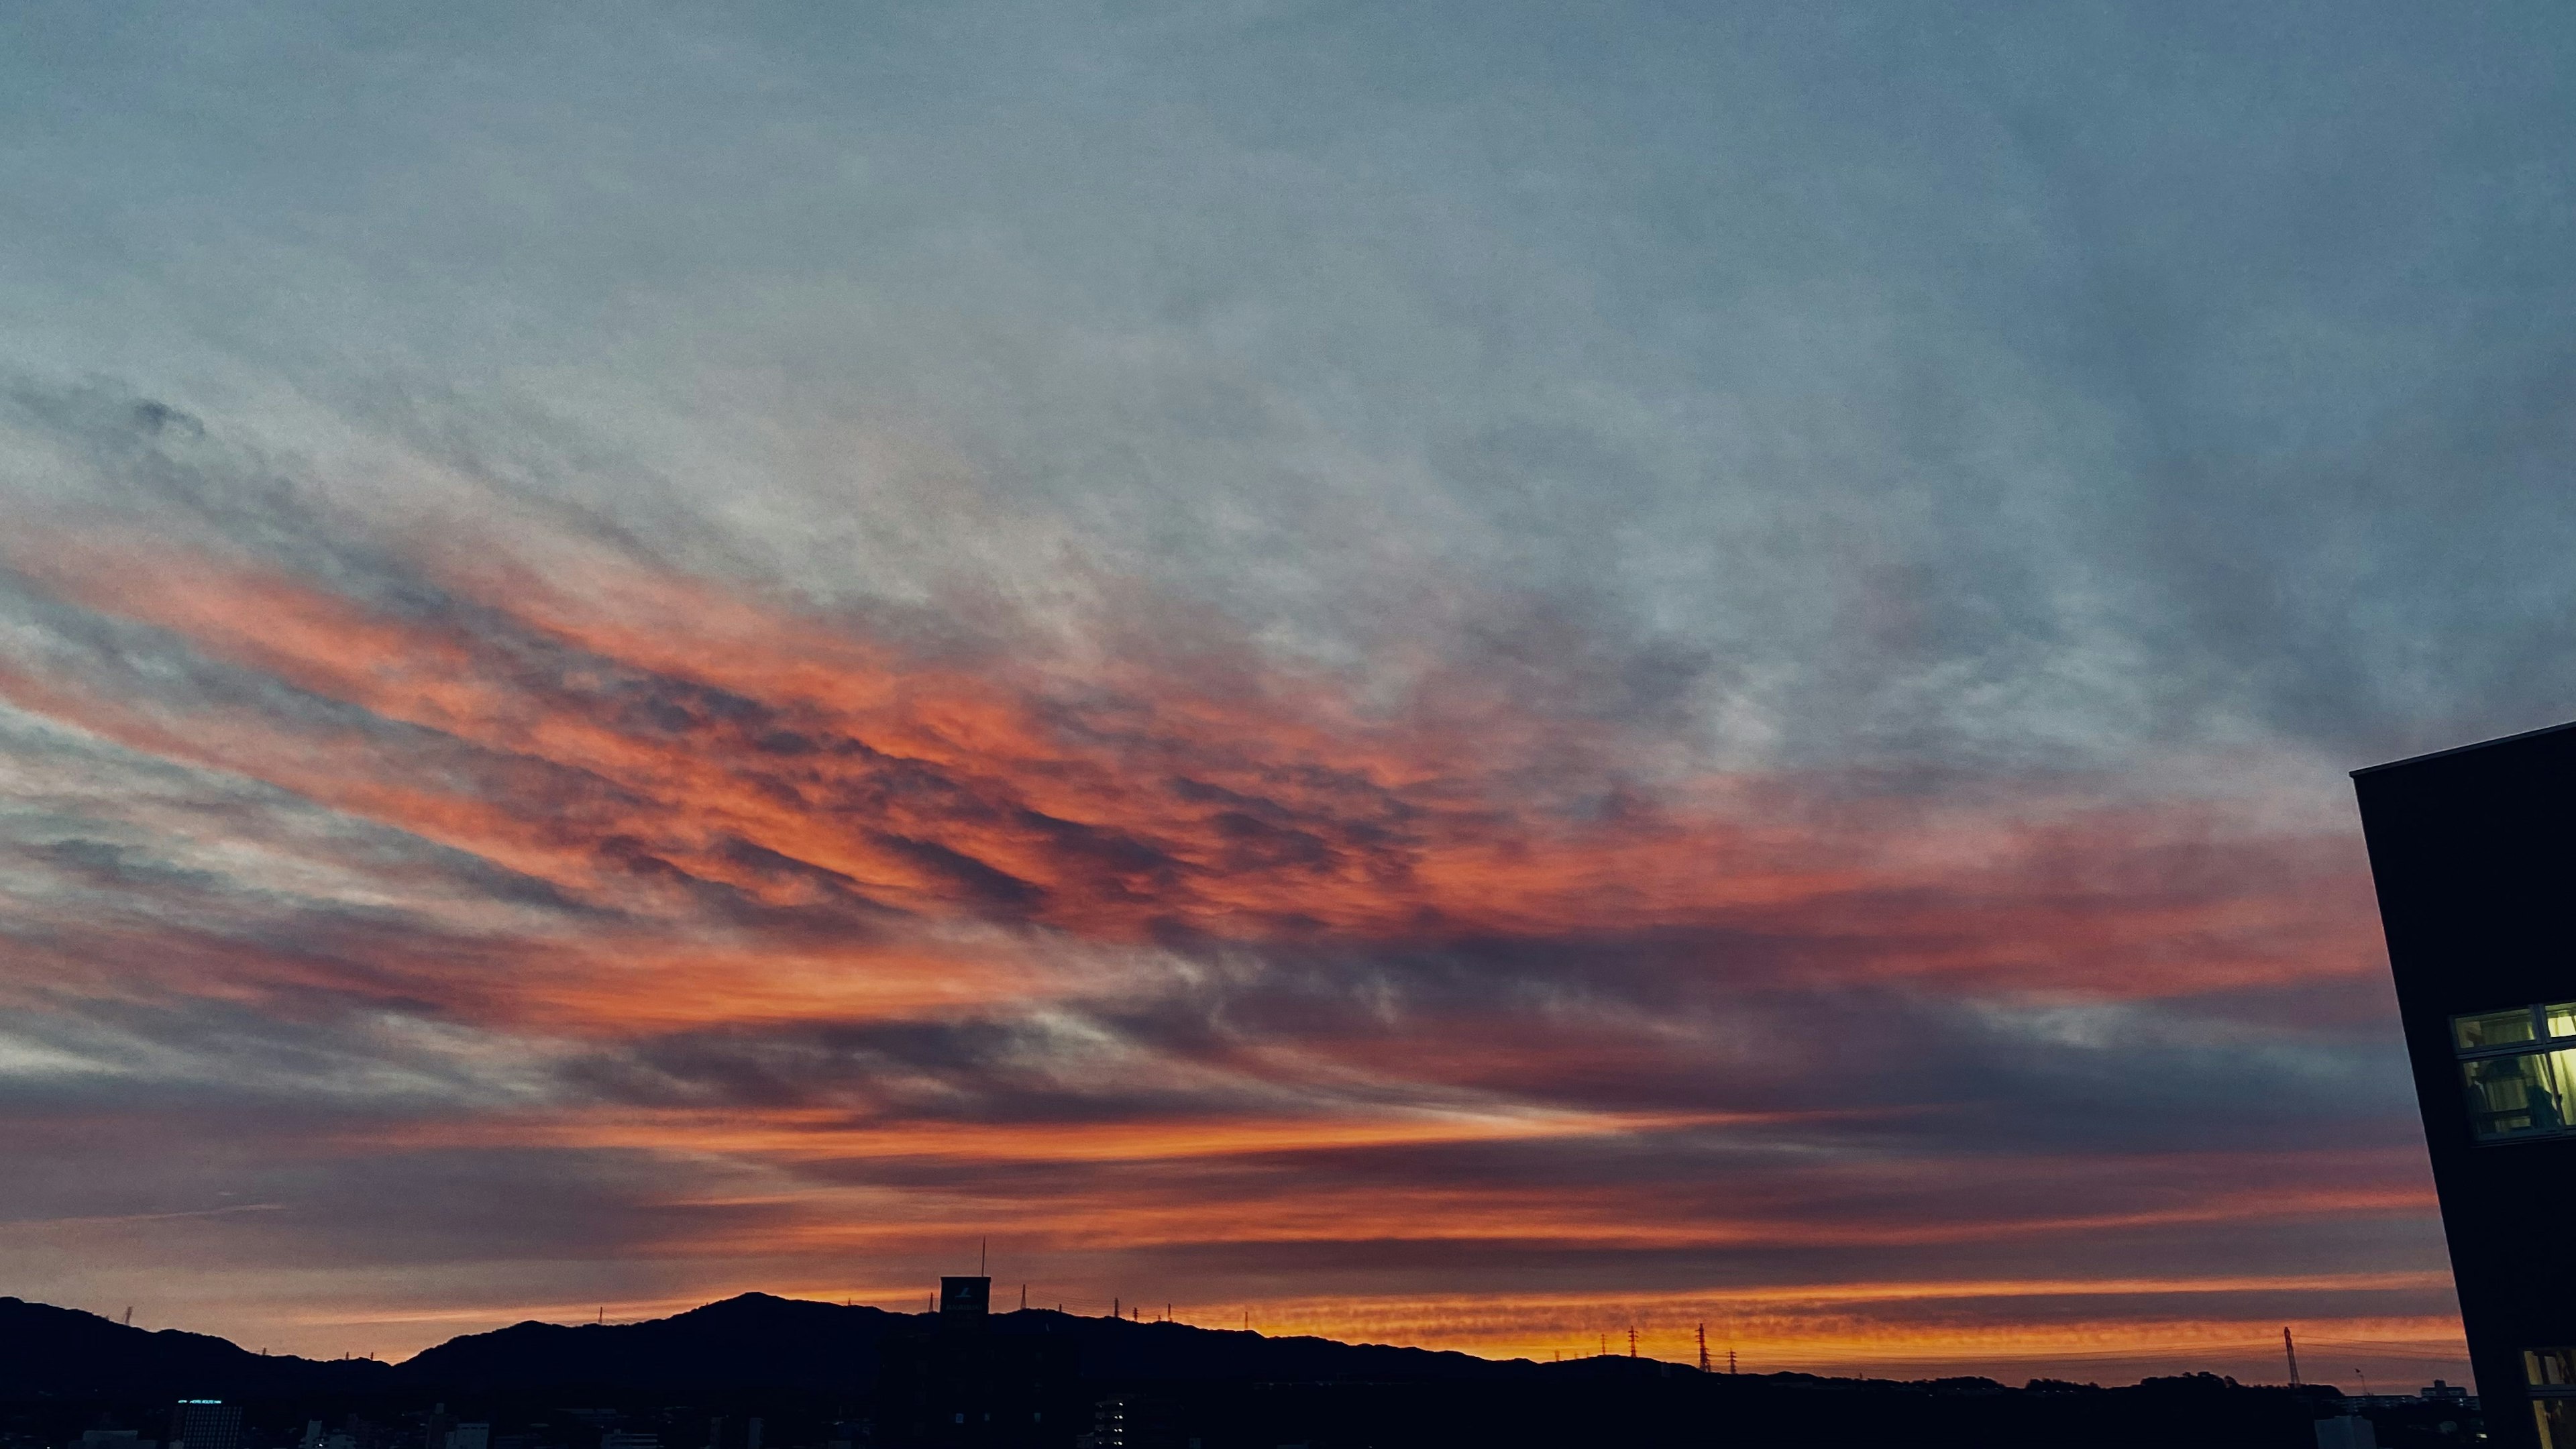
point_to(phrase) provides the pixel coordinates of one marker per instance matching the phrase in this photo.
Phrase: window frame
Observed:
(2540, 1043)
(2542, 1396)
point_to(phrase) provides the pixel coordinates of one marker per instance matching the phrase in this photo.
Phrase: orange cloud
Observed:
(700, 741)
(649, 814)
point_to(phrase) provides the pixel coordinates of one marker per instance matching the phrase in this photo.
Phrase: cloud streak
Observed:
(515, 847)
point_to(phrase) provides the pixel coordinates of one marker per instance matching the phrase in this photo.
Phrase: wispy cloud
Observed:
(518, 847)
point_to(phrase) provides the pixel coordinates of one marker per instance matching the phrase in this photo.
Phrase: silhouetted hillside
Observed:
(759, 1341)
(1117, 1349)
(807, 1364)
(68, 1353)
(753, 1341)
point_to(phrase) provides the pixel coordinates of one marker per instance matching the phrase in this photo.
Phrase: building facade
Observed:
(2474, 855)
(205, 1424)
(963, 1381)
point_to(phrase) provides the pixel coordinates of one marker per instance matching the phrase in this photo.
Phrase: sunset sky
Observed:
(1452, 674)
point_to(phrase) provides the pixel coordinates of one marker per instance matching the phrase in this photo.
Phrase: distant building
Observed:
(964, 1380)
(1132, 1421)
(113, 1439)
(470, 1436)
(2474, 854)
(206, 1424)
(2346, 1431)
(353, 1433)
(964, 1298)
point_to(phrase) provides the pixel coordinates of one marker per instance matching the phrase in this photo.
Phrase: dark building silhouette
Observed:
(1135, 1421)
(2474, 854)
(964, 1379)
(205, 1424)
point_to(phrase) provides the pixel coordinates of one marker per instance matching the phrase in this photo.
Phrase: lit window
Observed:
(2494, 1028)
(2551, 1375)
(2519, 1068)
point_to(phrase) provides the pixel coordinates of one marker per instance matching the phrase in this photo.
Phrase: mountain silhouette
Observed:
(769, 1352)
(760, 1341)
(69, 1353)
(752, 1341)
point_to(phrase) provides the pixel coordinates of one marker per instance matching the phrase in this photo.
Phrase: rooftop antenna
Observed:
(2291, 1349)
(1632, 1340)
(981, 1249)
(1703, 1348)
(1024, 1298)
(129, 1315)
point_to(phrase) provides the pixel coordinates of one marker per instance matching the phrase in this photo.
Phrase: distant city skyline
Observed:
(1449, 675)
